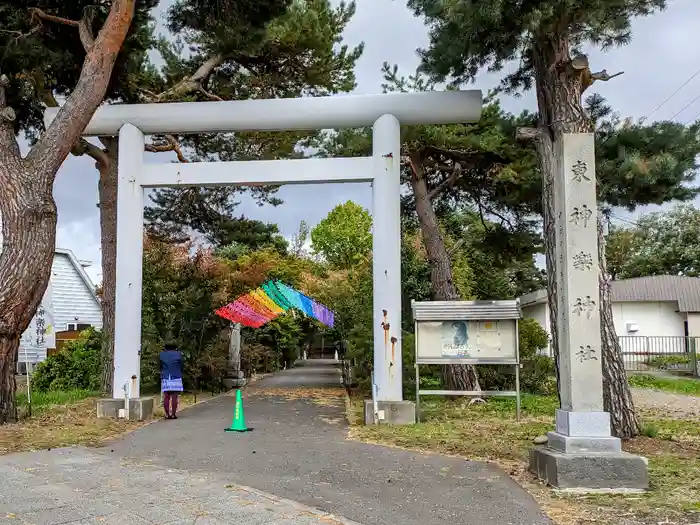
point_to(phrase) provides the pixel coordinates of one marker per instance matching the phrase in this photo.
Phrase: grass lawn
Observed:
(62, 419)
(689, 387)
(489, 432)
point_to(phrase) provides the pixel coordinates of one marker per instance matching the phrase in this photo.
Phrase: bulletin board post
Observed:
(467, 333)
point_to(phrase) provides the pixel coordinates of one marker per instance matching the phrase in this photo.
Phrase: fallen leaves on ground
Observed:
(70, 424)
(331, 397)
(490, 433)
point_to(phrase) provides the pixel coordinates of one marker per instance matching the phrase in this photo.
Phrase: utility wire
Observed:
(672, 95)
(685, 107)
(628, 221)
(694, 117)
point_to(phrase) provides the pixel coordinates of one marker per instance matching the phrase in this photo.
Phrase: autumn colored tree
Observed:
(27, 206)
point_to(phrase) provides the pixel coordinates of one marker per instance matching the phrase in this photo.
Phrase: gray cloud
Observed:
(659, 59)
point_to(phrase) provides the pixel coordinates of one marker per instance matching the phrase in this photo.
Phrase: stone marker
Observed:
(581, 453)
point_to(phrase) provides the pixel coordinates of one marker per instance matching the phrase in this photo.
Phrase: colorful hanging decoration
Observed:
(266, 302)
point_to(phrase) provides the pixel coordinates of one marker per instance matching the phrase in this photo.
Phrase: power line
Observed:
(684, 107)
(628, 221)
(672, 94)
(694, 117)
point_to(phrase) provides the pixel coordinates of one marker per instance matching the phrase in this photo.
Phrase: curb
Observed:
(328, 517)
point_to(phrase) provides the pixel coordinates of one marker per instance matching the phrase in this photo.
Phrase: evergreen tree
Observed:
(545, 37)
(27, 206)
(479, 166)
(236, 50)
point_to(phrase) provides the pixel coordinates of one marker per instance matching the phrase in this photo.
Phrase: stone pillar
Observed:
(234, 377)
(581, 453)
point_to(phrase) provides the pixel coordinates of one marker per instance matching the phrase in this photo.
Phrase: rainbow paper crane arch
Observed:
(266, 302)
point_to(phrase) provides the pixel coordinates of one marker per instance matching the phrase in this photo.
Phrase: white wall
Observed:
(540, 313)
(654, 319)
(71, 297)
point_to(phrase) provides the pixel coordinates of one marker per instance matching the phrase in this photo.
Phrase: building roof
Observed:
(81, 271)
(677, 288)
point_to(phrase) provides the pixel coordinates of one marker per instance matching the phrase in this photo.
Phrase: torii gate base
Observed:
(384, 112)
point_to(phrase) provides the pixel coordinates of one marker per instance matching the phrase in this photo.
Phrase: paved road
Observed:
(80, 487)
(299, 451)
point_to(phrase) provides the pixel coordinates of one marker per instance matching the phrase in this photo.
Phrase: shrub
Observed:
(537, 374)
(76, 367)
(665, 362)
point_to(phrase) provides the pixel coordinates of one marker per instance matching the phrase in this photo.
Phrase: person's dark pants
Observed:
(170, 400)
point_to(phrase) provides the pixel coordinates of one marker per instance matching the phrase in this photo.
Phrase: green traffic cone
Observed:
(238, 424)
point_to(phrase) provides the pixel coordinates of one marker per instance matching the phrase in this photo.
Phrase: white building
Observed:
(657, 315)
(69, 304)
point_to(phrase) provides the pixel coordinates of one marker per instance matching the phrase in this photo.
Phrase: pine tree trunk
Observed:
(8, 354)
(29, 216)
(617, 395)
(108, 238)
(442, 286)
(546, 156)
(559, 91)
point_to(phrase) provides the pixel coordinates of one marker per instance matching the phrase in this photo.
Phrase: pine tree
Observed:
(38, 63)
(545, 36)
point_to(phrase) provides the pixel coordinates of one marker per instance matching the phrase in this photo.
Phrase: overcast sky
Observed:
(661, 57)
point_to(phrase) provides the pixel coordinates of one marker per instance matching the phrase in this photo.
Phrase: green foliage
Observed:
(676, 386)
(468, 35)
(537, 372)
(43, 58)
(273, 49)
(180, 293)
(282, 336)
(344, 236)
(663, 243)
(666, 362)
(76, 367)
(500, 260)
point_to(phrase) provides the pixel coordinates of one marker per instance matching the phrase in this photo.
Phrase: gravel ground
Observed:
(674, 406)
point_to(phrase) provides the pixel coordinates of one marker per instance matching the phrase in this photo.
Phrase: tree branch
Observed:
(529, 134)
(83, 147)
(7, 119)
(194, 82)
(84, 25)
(85, 28)
(38, 15)
(456, 246)
(446, 183)
(54, 145)
(170, 144)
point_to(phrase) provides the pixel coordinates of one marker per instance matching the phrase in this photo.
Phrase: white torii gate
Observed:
(384, 112)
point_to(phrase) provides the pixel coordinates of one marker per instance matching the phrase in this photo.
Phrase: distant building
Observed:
(69, 306)
(653, 316)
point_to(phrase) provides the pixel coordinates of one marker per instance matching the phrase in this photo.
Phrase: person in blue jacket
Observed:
(170, 378)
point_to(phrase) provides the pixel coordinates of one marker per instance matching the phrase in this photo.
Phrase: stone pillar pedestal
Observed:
(581, 453)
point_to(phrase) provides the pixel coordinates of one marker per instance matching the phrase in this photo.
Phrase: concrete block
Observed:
(590, 471)
(583, 424)
(583, 445)
(394, 412)
(140, 409)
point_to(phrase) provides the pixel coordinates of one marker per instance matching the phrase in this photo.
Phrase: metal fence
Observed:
(643, 353)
